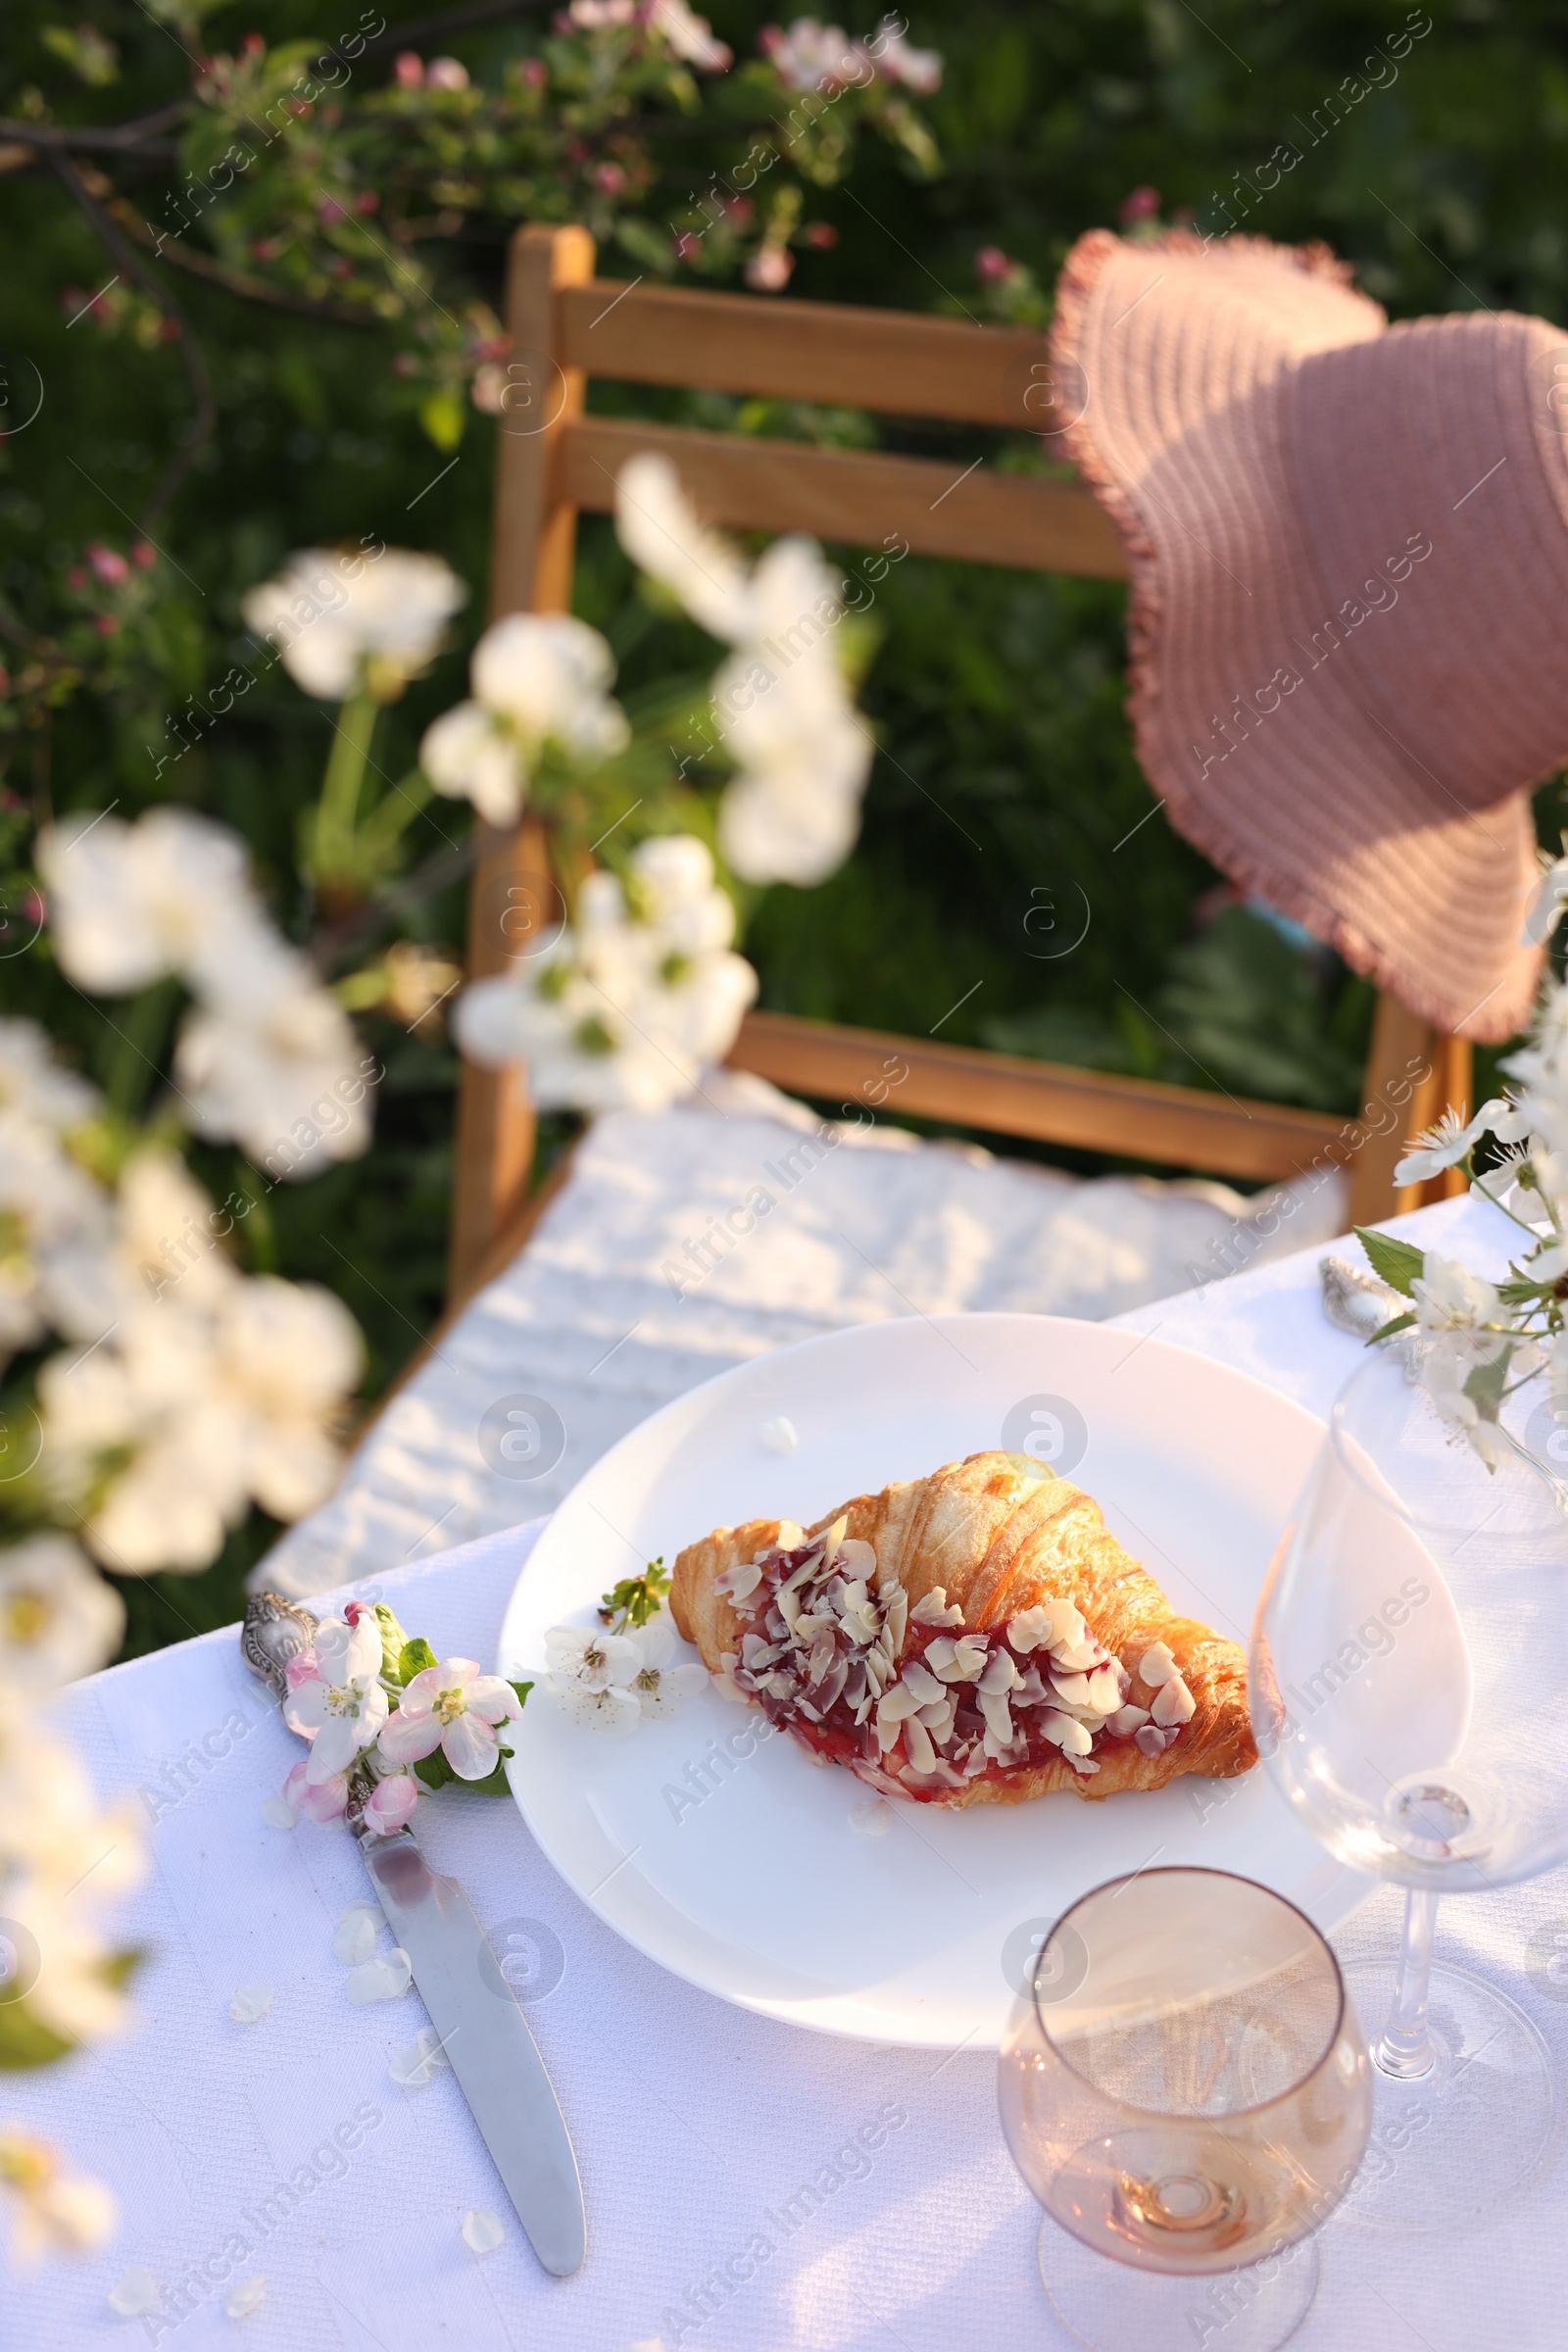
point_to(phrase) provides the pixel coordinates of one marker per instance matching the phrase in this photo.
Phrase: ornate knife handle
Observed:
(274, 1631)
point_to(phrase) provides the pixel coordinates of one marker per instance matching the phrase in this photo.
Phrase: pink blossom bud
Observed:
(1139, 205)
(770, 268)
(390, 1803)
(608, 178)
(144, 554)
(990, 264)
(536, 72)
(320, 1801)
(366, 200)
(328, 209)
(446, 73)
(410, 71)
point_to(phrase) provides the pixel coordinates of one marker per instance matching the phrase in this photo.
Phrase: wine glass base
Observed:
(1112, 2308)
(1469, 2136)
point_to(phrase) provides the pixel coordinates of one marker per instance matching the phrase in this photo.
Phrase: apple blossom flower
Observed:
(889, 52)
(539, 684)
(457, 1708)
(55, 1224)
(334, 1697)
(467, 757)
(223, 1389)
(129, 904)
(690, 36)
(318, 1800)
(658, 1686)
(58, 1618)
(1452, 1139)
(808, 54)
(591, 1673)
(36, 1087)
(661, 533)
(803, 754)
(627, 1008)
(271, 1060)
(1449, 1297)
(52, 2211)
(342, 627)
(248, 2004)
(1545, 909)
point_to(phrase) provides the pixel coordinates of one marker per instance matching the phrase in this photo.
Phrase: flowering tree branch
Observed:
(205, 421)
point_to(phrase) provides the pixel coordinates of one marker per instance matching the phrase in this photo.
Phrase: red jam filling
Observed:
(795, 1677)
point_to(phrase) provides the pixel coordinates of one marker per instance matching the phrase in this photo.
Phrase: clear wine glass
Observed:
(1185, 2088)
(1409, 1691)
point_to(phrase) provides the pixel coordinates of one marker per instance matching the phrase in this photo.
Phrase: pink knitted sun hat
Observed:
(1349, 546)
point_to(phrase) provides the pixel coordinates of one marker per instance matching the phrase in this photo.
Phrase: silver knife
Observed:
(478, 2020)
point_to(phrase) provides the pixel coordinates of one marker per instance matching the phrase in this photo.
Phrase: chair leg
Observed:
(513, 899)
(1413, 1074)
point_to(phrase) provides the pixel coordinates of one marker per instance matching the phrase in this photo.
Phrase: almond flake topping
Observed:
(964, 1703)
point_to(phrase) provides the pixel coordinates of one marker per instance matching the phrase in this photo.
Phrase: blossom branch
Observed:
(205, 422)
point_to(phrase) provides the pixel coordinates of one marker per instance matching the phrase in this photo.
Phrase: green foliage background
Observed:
(1007, 767)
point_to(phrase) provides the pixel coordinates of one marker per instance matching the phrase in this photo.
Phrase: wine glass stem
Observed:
(1403, 2048)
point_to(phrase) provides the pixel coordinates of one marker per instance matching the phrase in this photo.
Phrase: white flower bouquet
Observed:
(1477, 1345)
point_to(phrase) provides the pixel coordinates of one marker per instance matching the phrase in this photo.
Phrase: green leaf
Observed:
(415, 1657)
(393, 1639)
(1398, 1263)
(434, 1770)
(494, 1784)
(443, 416)
(1485, 1384)
(636, 1599)
(25, 2041)
(1386, 1331)
(523, 1689)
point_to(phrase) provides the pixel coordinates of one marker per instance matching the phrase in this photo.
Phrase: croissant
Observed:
(977, 1637)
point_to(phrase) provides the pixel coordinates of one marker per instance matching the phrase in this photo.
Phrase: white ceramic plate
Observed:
(746, 1877)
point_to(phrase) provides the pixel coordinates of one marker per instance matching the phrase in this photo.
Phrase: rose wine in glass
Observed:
(1185, 2088)
(1410, 1693)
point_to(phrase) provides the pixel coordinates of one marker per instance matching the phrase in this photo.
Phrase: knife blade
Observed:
(488, 2043)
(477, 2017)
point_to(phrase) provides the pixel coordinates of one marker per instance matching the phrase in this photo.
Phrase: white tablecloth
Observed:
(696, 2124)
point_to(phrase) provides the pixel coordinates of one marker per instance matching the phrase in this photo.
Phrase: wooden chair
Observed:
(555, 460)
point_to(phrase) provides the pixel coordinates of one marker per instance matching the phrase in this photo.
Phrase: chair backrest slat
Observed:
(894, 361)
(1001, 1093)
(852, 497)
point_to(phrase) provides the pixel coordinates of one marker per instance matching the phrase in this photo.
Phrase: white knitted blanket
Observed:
(733, 1223)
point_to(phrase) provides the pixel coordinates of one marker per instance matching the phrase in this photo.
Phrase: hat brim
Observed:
(1291, 668)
